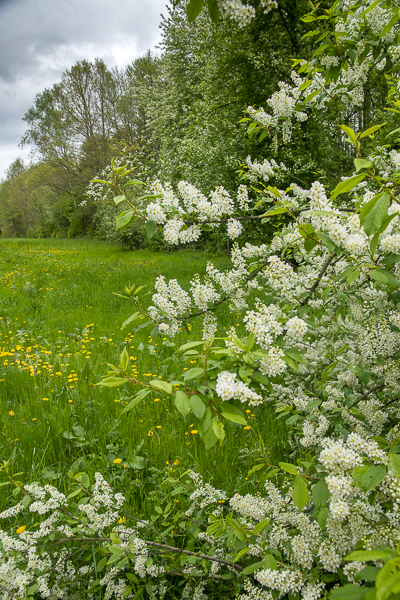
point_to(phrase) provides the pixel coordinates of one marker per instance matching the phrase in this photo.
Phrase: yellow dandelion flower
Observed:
(21, 529)
(11, 413)
(122, 520)
(194, 431)
(117, 461)
(176, 462)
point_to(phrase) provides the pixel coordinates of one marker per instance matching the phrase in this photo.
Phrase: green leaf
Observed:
(367, 574)
(261, 379)
(289, 468)
(374, 219)
(125, 218)
(371, 130)
(124, 360)
(326, 240)
(26, 500)
(275, 211)
(358, 472)
(209, 438)
(350, 132)
(383, 276)
(190, 345)
(320, 494)
(193, 9)
(112, 381)
(270, 562)
(390, 24)
(368, 207)
(132, 318)
(161, 385)
(132, 182)
(349, 592)
(260, 526)
(150, 228)
(198, 407)
(299, 493)
(345, 186)
(394, 462)
(322, 517)
(372, 477)
(388, 581)
(219, 429)
(182, 403)
(362, 163)
(309, 244)
(353, 275)
(289, 361)
(231, 413)
(193, 373)
(213, 10)
(240, 554)
(251, 568)
(295, 354)
(366, 555)
(135, 401)
(392, 258)
(119, 199)
(101, 564)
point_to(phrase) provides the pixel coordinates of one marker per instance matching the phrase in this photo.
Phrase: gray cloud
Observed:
(39, 39)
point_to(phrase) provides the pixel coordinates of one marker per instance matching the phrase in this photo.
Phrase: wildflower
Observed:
(11, 413)
(121, 520)
(117, 461)
(194, 431)
(21, 529)
(176, 462)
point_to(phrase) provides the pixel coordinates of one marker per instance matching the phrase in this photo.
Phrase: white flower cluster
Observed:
(228, 387)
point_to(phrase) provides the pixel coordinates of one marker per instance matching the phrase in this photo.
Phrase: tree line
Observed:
(173, 115)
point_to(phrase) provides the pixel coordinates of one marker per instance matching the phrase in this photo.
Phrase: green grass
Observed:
(60, 325)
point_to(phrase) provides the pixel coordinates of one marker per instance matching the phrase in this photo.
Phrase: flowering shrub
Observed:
(320, 306)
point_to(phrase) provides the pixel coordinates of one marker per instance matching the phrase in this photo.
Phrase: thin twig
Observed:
(189, 553)
(368, 392)
(225, 298)
(318, 280)
(7, 591)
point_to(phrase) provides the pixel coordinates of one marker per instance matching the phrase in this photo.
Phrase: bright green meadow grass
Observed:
(60, 324)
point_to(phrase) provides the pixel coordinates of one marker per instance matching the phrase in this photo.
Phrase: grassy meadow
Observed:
(60, 324)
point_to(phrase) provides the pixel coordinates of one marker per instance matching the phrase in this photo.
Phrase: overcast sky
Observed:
(39, 39)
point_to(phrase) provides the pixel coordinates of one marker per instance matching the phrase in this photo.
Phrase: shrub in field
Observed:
(320, 304)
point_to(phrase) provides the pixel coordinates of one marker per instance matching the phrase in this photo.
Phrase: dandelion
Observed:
(122, 520)
(117, 461)
(176, 462)
(11, 413)
(21, 529)
(194, 431)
